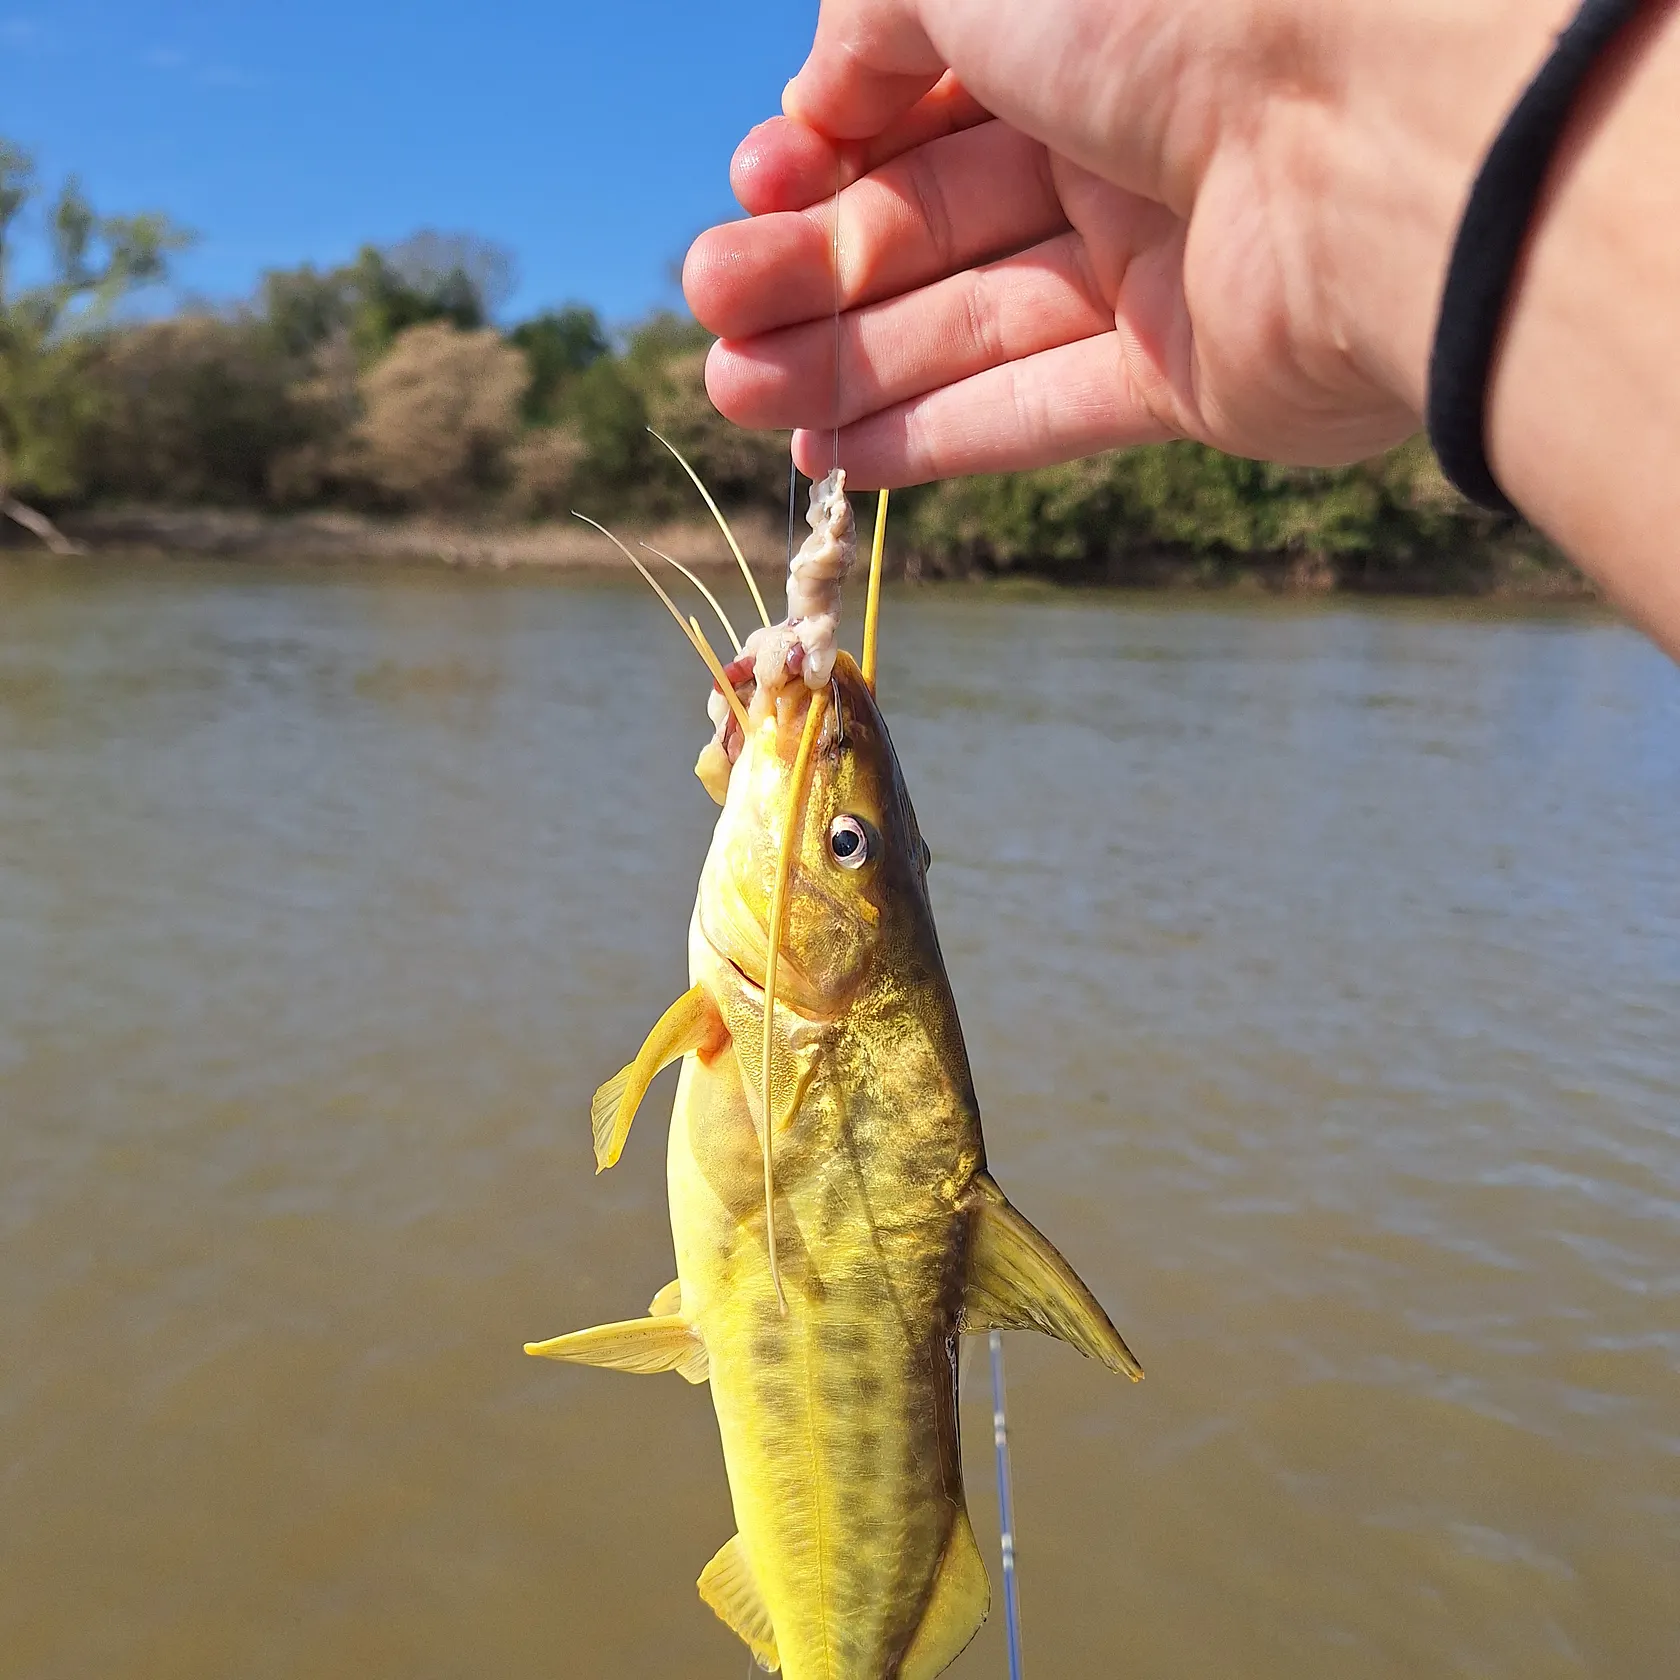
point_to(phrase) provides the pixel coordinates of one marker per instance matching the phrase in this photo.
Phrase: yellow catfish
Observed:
(825, 1315)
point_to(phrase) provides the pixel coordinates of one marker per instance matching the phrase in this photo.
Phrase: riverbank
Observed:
(1517, 568)
(243, 534)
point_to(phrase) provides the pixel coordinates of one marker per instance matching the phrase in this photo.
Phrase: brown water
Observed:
(1322, 971)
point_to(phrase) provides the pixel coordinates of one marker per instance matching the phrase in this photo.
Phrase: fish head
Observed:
(858, 864)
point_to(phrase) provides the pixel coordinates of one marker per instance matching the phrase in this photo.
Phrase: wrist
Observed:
(1420, 94)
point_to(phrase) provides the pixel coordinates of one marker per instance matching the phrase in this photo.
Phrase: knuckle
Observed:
(980, 325)
(1032, 415)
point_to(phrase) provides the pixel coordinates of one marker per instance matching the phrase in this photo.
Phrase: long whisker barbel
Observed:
(722, 524)
(711, 600)
(690, 627)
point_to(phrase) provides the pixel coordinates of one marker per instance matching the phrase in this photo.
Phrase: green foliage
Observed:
(382, 384)
(304, 308)
(558, 344)
(651, 345)
(740, 468)
(385, 303)
(375, 299)
(1187, 510)
(17, 175)
(94, 262)
(611, 416)
(195, 409)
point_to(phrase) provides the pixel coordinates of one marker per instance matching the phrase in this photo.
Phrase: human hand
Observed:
(1092, 223)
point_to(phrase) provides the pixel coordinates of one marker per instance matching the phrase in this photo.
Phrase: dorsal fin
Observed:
(1017, 1281)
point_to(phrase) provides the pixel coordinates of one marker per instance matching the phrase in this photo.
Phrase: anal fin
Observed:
(956, 1607)
(730, 1589)
(691, 1023)
(666, 1343)
(1017, 1281)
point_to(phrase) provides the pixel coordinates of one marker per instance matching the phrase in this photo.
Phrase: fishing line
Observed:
(1006, 1510)
(839, 181)
(793, 500)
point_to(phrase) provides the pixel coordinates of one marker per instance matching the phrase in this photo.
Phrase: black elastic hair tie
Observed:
(1490, 240)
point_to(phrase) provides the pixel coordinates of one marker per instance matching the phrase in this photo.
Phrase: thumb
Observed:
(871, 61)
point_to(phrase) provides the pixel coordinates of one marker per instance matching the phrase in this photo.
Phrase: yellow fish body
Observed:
(854, 1558)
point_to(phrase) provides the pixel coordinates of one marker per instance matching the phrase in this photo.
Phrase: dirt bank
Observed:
(1507, 571)
(234, 534)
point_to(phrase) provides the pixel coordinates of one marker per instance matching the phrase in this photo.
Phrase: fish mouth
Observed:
(753, 987)
(794, 988)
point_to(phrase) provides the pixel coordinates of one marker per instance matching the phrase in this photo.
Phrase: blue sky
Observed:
(592, 139)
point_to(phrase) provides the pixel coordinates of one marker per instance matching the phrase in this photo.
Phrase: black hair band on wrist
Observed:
(1489, 243)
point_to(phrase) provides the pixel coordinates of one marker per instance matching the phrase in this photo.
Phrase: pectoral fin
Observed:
(729, 1587)
(691, 1023)
(667, 1343)
(667, 1301)
(1017, 1281)
(956, 1607)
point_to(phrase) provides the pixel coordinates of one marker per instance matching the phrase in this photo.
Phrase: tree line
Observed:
(387, 386)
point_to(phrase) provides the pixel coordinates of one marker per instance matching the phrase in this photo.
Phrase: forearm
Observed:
(1584, 403)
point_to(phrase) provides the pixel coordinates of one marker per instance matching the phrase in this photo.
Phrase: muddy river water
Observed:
(1321, 970)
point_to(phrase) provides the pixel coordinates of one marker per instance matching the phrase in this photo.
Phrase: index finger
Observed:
(787, 165)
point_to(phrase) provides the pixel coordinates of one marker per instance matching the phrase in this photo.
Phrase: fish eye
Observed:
(848, 840)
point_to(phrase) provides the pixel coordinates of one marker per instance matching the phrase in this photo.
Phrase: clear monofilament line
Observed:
(1006, 1509)
(793, 507)
(839, 182)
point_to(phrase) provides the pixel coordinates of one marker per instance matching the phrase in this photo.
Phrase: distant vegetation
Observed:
(387, 387)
